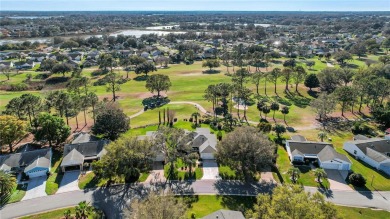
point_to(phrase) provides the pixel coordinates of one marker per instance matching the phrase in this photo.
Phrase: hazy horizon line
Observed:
(189, 11)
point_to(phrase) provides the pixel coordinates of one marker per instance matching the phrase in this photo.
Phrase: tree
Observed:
(286, 77)
(266, 109)
(274, 75)
(265, 127)
(256, 77)
(145, 68)
(173, 143)
(61, 68)
(294, 174)
(321, 135)
(386, 44)
(158, 83)
(291, 201)
(298, 76)
(311, 81)
(329, 79)
(126, 157)
(110, 121)
(279, 129)
(357, 179)
(319, 173)
(93, 99)
(384, 59)
(11, 130)
(106, 61)
(61, 101)
(6, 71)
(83, 209)
(342, 56)
(345, 95)
(157, 205)
(274, 107)
(246, 151)
(259, 107)
(112, 84)
(48, 65)
(359, 49)
(50, 128)
(323, 105)
(7, 185)
(14, 107)
(285, 110)
(31, 104)
(346, 75)
(211, 63)
(136, 60)
(67, 214)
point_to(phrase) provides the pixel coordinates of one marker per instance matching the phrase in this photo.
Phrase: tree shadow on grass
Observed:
(313, 93)
(237, 203)
(141, 78)
(211, 71)
(154, 102)
(298, 100)
(56, 80)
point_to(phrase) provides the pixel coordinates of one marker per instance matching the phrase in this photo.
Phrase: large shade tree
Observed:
(246, 151)
(11, 130)
(158, 83)
(110, 121)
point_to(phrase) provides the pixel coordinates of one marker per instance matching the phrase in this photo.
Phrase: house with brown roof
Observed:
(373, 151)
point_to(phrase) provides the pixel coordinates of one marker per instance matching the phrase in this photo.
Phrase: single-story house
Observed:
(76, 154)
(33, 163)
(325, 154)
(374, 151)
(225, 214)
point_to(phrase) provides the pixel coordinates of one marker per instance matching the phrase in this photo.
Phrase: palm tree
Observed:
(7, 184)
(279, 129)
(322, 135)
(285, 110)
(319, 173)
(195, 115)
(274, 107)
(294, 173)
(260, 106)
(67, 214)
(266, 110)
(83, 209)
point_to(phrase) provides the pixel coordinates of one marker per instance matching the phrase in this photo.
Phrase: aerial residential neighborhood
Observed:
(194, 109)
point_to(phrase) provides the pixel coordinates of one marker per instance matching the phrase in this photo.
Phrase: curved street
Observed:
(112, 200)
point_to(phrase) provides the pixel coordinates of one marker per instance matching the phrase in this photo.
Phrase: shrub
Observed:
(357, 179)
(41, 76)
(99, 72)
(18, 87)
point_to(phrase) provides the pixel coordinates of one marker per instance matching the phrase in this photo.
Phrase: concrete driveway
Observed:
(157, 174)
(36, 188)
(69, 182)
(337, 181)
(210, 169)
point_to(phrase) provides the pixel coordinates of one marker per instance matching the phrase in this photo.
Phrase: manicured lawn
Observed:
(18, 193)
(226, 172)
(54, 180)
(202, 205)
(182, 171)
(59, 213)
(362, 213)
(306, 178)
(89, 180)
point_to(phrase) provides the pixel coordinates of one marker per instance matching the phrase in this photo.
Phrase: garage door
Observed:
(331, 166)
(37, 173)
(207, 156)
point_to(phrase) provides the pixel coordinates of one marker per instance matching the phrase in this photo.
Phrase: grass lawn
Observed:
(89, 180)
(181, 173)
(362, 213)
(202, 205)
(59, 213)
(226, 172)
(18, 193)
(54, 180)
(306, 177)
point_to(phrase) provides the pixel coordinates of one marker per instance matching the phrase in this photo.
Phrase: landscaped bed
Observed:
(182, 171)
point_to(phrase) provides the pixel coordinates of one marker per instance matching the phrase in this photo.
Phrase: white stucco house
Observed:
(374, 151)
(326, 155)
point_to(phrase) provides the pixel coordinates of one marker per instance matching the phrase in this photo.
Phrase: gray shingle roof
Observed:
(308, 147)
(23, 159)
(377, 144)
(329, 153)
(375, 155)
(72, 158)
(84, 137)
(360, 137)
(42, 162)
(296, 152)
(225, 214)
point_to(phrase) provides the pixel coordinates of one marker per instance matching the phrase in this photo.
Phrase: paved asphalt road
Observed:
(114, 199)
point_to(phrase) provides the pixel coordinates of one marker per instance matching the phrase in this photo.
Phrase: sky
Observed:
(195, 5)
